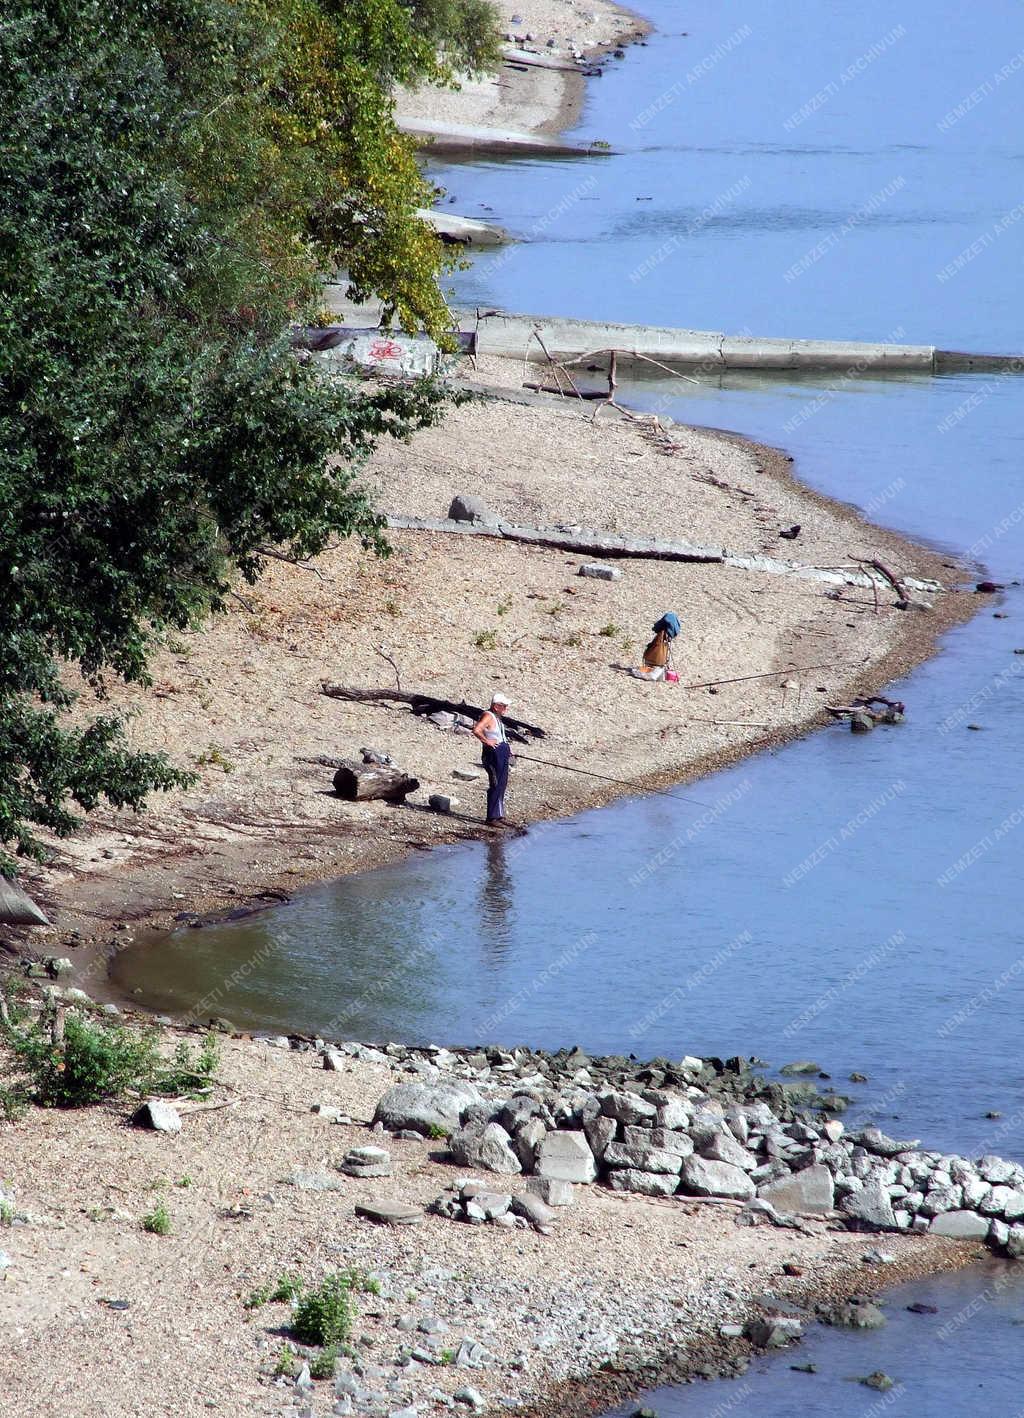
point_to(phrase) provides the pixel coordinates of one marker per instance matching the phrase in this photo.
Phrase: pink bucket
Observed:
(672, 676)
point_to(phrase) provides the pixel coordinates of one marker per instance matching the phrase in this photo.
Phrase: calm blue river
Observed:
(801, 170)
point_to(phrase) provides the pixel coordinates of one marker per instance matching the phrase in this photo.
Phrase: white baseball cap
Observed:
(499, 698)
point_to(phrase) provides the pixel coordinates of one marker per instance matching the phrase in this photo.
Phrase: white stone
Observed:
(566, 1157)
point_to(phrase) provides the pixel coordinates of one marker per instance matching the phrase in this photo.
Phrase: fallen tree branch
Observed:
(421, 704)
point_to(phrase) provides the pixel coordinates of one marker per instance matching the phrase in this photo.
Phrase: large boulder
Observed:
(628, 1108)
(467, 508)
(807, 1193)
(870, 1208)
(633, 1179)
(723, 1147)
(485, 1145)
(703, 1177)
(962, 1225)
(669, 1141)
(642, 1156)
(566, 1156)
(1015, 1243)
(426, 1107)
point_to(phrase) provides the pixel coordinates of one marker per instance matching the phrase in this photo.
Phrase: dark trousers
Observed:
(496, 761)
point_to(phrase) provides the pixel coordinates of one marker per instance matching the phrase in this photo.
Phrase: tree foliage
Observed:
(176, 174)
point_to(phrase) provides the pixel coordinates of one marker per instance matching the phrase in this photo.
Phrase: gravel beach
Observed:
(100, 1316)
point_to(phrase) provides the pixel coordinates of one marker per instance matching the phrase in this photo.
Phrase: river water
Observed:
(841, 172)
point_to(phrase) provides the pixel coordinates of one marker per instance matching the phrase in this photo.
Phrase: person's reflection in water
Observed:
(497, 899)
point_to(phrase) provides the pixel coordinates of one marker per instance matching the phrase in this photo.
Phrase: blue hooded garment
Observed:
(669, 623)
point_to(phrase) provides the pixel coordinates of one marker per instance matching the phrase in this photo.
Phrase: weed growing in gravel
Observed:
(288, 1288)
(486, 640)
(6, 1214)
(437, 1132)
(287, 1363)
(323, 1364)
(158, 1221)
(611, 630)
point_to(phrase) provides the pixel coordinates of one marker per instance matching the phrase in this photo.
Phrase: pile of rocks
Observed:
(473, 1200)
(684, 1140)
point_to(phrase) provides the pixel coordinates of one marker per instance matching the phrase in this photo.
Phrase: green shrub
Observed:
(287, 1362)
(94, 1062)
(321, 1366)
(486, 640)
(436, 1132)
(288, 1288)
(324, 1316)
(158, 1221)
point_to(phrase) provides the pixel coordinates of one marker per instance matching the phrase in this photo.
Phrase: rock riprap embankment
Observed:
(694, 1129)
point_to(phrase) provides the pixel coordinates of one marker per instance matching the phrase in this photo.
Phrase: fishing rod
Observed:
(621, 782)
(767, 674)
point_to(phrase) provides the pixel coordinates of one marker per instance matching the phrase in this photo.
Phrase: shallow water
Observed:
(852, 900)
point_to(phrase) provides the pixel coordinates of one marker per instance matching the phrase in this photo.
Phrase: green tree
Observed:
(165, 211)
(465, 32)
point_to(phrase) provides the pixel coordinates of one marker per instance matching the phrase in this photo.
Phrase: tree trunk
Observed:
(359, 782)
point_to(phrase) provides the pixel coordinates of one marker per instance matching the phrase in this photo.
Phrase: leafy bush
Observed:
(158, 1221)
(325, 1315)
(92, 1062)
(323, 1364)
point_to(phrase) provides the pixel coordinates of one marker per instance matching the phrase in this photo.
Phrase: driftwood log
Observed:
(359, 782)
(517, 729)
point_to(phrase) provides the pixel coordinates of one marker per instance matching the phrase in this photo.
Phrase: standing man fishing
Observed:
(496, 756)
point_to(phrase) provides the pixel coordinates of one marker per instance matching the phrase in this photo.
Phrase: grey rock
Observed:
(422, 1106)
(554, 1190)
(793, 1070)
(567, 1157)
(628, 1108)
(703, 1177)
(723, 1147)
(471, 1355)
(645, 1158)
(870, 1206)
(600, 573)
(673, 1113)
(773, 1331)
(878, 1142)
(941, 1199)
(314, 1181)
(963, 1225)
(441, 802)
(704, 1127)
(879, 1380)
(335, 1061)
(998, 1233)
(471, 1397)
(527, 1140)
(366, 1162)
(520, 1109)
(536, 1211)
(1004, 1201)
(848, 1314)
(600, 1131)
(464, 507)
(489, 1147)
(632, 1179)
(809, 1192)
(159, 1116)
(390, 1213)
(487, 1206)
(996, 1170)
(1015, 1243)
(668, 1141)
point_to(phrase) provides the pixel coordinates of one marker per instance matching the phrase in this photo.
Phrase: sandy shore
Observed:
(542, 101)
(100, 1317)
(240, 701)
